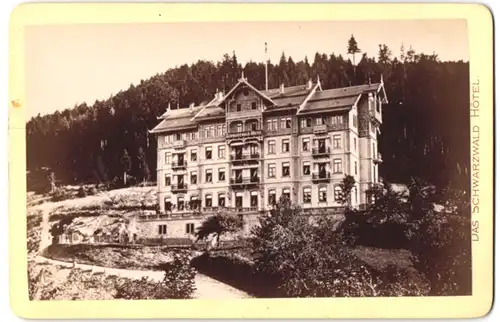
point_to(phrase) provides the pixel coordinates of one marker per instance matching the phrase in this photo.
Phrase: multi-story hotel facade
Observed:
(246, 148)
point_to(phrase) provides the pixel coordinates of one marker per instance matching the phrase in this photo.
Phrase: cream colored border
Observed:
(480, 29)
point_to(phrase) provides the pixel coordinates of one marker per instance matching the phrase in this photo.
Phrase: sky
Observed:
(70, 64)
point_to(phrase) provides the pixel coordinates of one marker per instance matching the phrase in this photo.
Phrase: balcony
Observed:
(243, 134)
(245, 157)
(321, 152)
(238, 210)
(320, 129)
(179, 165)
(321, 177)
(179, 144)
(243, 182)
(377, 158)
(176, 188)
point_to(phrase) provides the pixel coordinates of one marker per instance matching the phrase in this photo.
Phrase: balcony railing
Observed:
(320, 129)
(179, 187)
(321, 177)
(243, 134)
(244, 181)
(179, 144)
(321, 151)
(179, 165)
(245, 157)
(377, 158)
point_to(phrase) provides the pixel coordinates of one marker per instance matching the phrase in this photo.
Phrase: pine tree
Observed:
(143, 165)
(126, 165)
(353, 49)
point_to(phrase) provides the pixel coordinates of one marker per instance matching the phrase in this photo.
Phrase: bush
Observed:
(82, 192)
(60, 194)
(92, 191)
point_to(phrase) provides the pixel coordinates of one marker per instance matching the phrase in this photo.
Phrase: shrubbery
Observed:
(44, 284)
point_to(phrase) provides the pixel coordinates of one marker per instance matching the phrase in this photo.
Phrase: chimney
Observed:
(168, 107)
(191, 106)
(309, 84)
(282, 88)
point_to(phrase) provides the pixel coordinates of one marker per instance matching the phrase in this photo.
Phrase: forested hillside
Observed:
(425, 131)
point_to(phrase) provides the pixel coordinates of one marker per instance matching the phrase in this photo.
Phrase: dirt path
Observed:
(206, 287)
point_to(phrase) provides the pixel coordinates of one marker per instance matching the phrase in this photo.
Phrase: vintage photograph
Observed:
(229, 160)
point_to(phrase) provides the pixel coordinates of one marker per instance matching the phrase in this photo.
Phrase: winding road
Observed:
(206, 287)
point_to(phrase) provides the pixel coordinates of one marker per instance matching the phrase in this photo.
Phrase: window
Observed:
(180, 203)
(168, 204)
(254, 199)
(208, 200)
(208, 153)
(254, 105)
(308, 122)
(320, 120)
(306, 168)
(167, 180)
(322, 194)
(374, 151)
(167, 158)
(283, 123)
(271, 199)
(208, 175)
(194, 177)
(239, 199)
(224, 129)
(306, 196)
(194, 155)
(219, 130)
(254, 126)
(285, 145)
(355, 195)
(305, 144)
(238, 107)
(271, 170)
(354, 121)
(374, 174)
(355, 168)
(194, 202)
(239, 127)
(285, 169)
(286, 193)
(271, 147)
(222, 152)
(355, 144)
(222, 174)
(337, 166)
(272, 124)
(303, 123)
(190, 228)
(162, 229)
(337, 193)
(336, 141)
(288, 124)
(378, 104)
(336, 120)
(222, 200)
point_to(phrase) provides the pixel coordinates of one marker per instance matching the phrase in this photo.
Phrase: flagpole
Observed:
(266, 65)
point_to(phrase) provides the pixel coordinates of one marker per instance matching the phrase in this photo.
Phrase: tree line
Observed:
(425, 131)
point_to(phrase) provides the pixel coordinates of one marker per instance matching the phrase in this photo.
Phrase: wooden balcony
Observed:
(240, 158)
(244, 182)
(320, 129)
(377, 158)
(179, 165)
(177, 188)
(321, 177)
(179, 144)
(243, 134)
(321, 152)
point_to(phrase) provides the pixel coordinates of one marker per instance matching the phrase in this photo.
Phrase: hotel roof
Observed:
(307, 99)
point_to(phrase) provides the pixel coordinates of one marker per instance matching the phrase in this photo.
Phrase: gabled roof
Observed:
(177, 119)
(245, 82)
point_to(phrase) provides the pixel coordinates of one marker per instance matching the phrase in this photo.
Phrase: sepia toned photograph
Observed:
(239, 160)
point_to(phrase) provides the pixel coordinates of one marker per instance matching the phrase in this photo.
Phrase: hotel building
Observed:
(246, 148)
